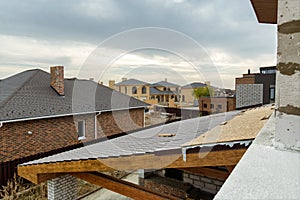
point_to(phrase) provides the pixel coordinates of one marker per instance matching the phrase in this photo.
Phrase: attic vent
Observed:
(166, 135)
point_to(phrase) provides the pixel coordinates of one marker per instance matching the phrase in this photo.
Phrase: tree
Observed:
(202, 92)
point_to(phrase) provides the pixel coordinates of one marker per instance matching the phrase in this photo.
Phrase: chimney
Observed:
(166, 80)
(111, 84)
(91, 79)
(248, 71)
(124, 79)
(57, 79)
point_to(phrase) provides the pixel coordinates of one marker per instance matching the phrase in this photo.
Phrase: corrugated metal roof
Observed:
(144, 141)
(28, 94)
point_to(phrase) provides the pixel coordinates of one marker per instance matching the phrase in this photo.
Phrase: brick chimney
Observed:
(111, 84)
(57, 79)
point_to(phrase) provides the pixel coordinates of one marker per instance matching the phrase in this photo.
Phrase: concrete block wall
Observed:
(203, 183)
(249, 95)
(62, 188)
(288, 76)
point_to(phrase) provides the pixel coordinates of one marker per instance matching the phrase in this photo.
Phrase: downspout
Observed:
(96, 129)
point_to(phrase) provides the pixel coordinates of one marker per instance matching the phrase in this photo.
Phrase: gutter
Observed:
(64, 115)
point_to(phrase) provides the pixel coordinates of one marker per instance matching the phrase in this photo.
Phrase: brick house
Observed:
(40, 112)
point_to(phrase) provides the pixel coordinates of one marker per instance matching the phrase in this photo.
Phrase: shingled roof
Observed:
(28, 94)
(164, 84)
(194, 85)
(132, 82)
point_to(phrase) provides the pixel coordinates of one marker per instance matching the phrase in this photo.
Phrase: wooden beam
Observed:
(122, 187)
(208, 172)
(34, 173)
(230, 168)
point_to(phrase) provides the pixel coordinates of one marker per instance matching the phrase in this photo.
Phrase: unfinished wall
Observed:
(204, 183)
(181, 188)
(288, 76)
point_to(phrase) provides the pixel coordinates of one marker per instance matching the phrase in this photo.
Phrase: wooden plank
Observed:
(34, 173)
(122, 187)
(211, 173)
(265, 10)
(244, 126)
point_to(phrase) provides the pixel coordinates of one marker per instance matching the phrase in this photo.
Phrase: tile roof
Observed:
(28, 94)
(144, 141)
(165, 84)
(194, 85)
(132, 82)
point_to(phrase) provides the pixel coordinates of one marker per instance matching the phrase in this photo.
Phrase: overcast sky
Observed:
(195, 40)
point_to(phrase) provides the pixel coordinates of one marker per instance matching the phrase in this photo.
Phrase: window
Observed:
(272, 92)
(81, 129)
(219, 106)
(144, 90)
(183, 98)
(212, 106)
(134, 90)
(125, 89)
(205, 105)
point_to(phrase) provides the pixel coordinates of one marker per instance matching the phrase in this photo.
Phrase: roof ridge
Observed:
(2, 104)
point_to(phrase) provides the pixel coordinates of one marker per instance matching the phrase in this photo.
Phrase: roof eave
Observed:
(265, 10)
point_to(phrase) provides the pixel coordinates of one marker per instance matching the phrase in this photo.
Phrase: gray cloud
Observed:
(229, 26)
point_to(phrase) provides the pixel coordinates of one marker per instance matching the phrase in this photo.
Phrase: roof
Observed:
(245, 126)
(153, 90)
(28, 95)
(193, 85)
(144, 141)
(164, 84)
(265, 10)
(132, 82)
(265, 171)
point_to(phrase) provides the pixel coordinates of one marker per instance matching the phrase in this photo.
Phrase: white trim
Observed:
(64, 115)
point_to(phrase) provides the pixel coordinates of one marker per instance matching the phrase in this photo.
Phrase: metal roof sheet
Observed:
(144, 141)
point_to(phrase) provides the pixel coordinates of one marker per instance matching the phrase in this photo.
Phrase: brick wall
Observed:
(62, 188)
(245, 80)
(180, 189)
(110, 123)
(54, 133)
(203, 183)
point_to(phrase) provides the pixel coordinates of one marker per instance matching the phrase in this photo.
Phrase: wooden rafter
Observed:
(122, 187)
(41, 172)
(208, 172)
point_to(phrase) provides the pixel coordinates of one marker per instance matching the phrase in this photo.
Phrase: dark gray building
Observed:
(256, 88)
